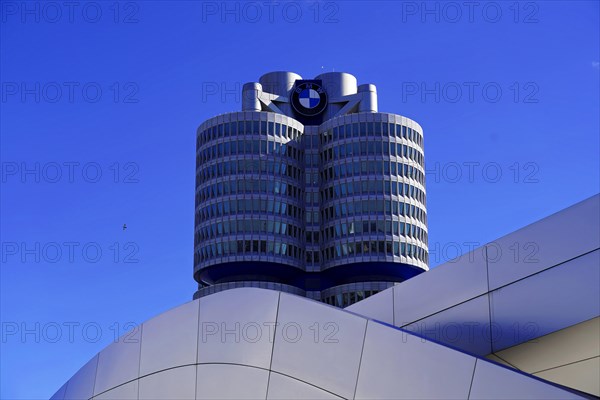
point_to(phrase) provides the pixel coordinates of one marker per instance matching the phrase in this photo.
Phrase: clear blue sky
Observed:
(132, 94)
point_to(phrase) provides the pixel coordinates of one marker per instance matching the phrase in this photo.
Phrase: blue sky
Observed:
(101, 102)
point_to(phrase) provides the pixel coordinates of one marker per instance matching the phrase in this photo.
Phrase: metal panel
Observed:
(170, 339)
(227, 381)
(319, 344)
(465, 326)
(236, 326)
(442, 287)
(119, 362)
(546, 302)
(569, 345)
(379, 307)
(81, 385)
(176, 383)
(494, 382)
(582, 375)
(128, 391)
(282, 387)
(543, 244)
(399, 365)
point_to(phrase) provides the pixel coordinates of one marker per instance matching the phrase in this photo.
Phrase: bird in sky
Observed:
(124, 226)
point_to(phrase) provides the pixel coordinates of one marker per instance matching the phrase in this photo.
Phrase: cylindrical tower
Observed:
(337, 85)
(280, 83)
(369, 100)
(309, 190)
(250, 96)
(249, 223)
(374, 223)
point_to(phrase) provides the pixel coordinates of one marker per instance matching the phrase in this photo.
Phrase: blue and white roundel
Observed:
(309, 98)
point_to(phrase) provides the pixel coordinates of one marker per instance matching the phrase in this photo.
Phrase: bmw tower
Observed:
(309, 190)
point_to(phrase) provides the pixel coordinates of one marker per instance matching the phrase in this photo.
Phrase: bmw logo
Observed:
(309, 98)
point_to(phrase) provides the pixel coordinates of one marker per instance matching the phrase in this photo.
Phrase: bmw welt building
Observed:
(309, 190)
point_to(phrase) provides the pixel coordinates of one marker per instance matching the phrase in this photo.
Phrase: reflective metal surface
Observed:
(177, 383)
(495, 383)
(546, 302)
(282, 387)
(234, 382)
(305, 349)
(236, 326)
(179, 348)
(318, 344)
(449, 284)
(81, 385)
(119, 362)
(465, 326)
(396, 365)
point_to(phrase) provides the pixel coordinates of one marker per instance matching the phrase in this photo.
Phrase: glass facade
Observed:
(373, 191)
(249, 190)
(285, 204)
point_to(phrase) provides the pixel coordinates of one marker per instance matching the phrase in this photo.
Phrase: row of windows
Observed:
(235, 128)
(240, 167)
(248, 186)
(376, 167)
(250, 247)
(248, 226)
(396, 228)
(376, 129)
(355, 208)
(271, 168)
(253, 146)
(346, 299)
(374, 247)
(277, 187)
(254, 206)
(379, 148)
(352, 130)
(358, 188)
(333, 232)
(272, 248)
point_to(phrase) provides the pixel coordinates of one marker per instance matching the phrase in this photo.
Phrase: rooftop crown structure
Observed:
(309, 190)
